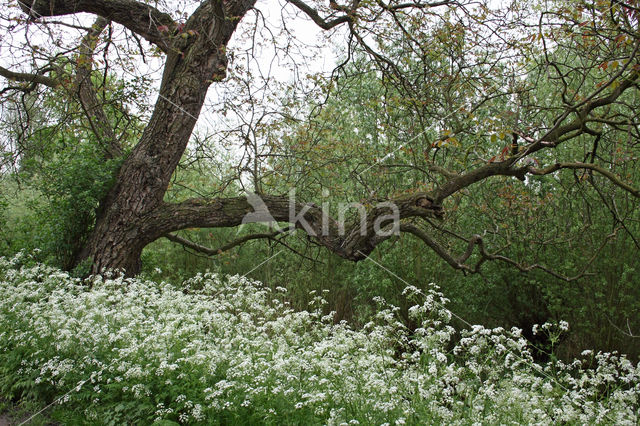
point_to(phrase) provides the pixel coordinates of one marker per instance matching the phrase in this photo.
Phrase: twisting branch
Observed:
(414, 5)
(557, 135)
(590, 166)
(522, 268)
(216, 251)
(30, 78)
(440, 251)
(317, 19)
(476, 240)
(87, 95)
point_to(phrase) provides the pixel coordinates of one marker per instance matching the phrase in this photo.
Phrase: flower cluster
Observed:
(226, 350)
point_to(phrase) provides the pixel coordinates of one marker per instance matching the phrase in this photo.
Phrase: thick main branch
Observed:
(141, 18)
(353, 240)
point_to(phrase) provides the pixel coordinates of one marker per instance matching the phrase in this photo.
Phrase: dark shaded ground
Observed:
(16, 414)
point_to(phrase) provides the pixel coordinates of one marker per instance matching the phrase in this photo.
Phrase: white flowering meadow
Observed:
(225, 350)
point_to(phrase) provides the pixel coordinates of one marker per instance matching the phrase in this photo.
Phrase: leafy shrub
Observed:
(227, 350)
(72, 181)
(3, 221)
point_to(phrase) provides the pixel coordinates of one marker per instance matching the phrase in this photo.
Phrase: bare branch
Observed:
(214, 252)
(316, 18)
(415, 5)
(138, 17)
(488, 256)
(476, 240)
(87, 93)
(590, 166)
(37, 78)
(440, 251)
(628, 333)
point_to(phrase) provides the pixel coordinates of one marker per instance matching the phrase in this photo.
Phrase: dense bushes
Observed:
(227, 350)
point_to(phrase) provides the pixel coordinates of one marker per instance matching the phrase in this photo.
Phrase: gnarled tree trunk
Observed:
(193, 63)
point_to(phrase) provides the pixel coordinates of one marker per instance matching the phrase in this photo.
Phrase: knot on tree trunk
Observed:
(427, 203)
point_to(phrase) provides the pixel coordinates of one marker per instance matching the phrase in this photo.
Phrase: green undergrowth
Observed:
(226, 350)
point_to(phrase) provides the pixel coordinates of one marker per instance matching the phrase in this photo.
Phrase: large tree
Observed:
(512, 86)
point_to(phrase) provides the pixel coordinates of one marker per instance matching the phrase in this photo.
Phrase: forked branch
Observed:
(476, 240)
